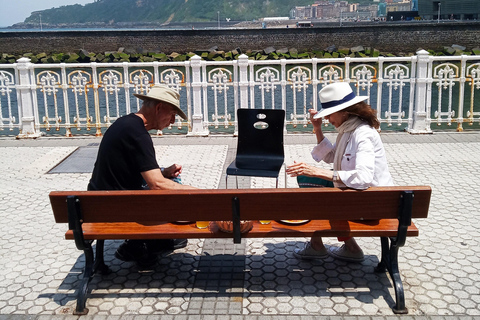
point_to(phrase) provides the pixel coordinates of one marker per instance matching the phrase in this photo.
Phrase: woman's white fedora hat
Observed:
(335, 97)
(165, 94)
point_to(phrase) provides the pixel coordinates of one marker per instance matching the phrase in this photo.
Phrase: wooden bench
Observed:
(384, 212)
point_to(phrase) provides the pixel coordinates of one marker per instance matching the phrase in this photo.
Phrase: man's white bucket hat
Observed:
(165, 94)
(335, 97)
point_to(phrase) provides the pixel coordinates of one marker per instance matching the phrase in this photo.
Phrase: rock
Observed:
(130, 51)
(268, 50)
(124, 56)
(83, 53)
(344, 50)
(458, 47)
(100, 57)
(180, 57)
(41, 55)
(331, 49)
(141, 50)
(476, 51)
(357, 49)
(273, 55)
(160, 57)
(211, 55)
(449, 50)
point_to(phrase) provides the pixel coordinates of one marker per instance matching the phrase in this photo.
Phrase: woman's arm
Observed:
(317, 125)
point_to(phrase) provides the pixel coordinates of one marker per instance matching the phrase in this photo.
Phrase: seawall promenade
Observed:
(386, 37)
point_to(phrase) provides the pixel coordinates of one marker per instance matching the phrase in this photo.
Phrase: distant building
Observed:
(414, 5)
(449, 9)
(399, 6)
(329, 9)
(382, 9)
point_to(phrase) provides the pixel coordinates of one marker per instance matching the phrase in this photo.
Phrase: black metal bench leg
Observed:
(100, 266)
(382, 265)
(87, 276)
(397, 282)
(389, 262)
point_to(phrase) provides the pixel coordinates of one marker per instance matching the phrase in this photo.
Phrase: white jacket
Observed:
(364, 163)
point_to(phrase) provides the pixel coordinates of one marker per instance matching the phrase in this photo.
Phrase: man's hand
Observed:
(173, 171)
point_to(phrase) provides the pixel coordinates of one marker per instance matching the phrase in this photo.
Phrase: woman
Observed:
(358, 158)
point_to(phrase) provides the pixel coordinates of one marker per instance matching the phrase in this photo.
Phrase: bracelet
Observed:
(335, 176)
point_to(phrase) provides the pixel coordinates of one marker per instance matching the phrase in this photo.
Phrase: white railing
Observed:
(409, 93)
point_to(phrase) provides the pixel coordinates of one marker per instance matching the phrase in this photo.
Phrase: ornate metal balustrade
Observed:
(409, 93)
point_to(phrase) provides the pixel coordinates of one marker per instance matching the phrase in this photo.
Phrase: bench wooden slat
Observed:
(273, 204)
(326, 228)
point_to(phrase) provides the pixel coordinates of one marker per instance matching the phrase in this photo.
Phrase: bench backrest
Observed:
(252, 204)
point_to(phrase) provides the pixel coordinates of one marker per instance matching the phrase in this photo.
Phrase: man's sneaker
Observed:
(159, 245)
(308, 252)
(344, 254)
(135, 250)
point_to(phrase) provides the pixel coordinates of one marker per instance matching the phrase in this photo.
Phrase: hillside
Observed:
(165, 11)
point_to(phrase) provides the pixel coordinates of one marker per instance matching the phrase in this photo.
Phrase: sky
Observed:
(14, 11)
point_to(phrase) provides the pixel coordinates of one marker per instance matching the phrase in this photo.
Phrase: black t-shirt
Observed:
(126, 150)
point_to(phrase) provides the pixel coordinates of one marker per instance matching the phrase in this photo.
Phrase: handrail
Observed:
(409, 93)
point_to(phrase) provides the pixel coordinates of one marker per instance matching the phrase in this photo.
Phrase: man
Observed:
(126, 161)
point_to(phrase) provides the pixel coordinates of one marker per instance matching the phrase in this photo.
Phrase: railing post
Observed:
(26, 104)
(243, 66)
(243, 85)
(198, 127)
(420, 117)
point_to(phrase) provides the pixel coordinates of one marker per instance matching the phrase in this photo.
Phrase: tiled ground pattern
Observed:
(214, 279)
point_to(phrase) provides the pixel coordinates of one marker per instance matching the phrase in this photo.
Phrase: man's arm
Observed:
(156, 181)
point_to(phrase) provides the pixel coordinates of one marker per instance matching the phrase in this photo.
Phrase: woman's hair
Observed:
(364, 112)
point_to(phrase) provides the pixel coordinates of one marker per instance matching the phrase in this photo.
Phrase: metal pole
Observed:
(218, 18)
(439, 5)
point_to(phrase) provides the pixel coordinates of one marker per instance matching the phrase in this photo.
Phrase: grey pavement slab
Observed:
(259, 279)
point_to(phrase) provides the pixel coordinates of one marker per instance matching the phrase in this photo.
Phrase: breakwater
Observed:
(393, 38)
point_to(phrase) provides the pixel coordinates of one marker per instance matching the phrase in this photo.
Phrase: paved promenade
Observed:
(257, 279)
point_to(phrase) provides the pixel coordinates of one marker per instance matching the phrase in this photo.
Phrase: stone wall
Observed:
(393, 38)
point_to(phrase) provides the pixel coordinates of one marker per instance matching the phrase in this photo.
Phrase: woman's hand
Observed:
(317, 123)
(303, 169)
